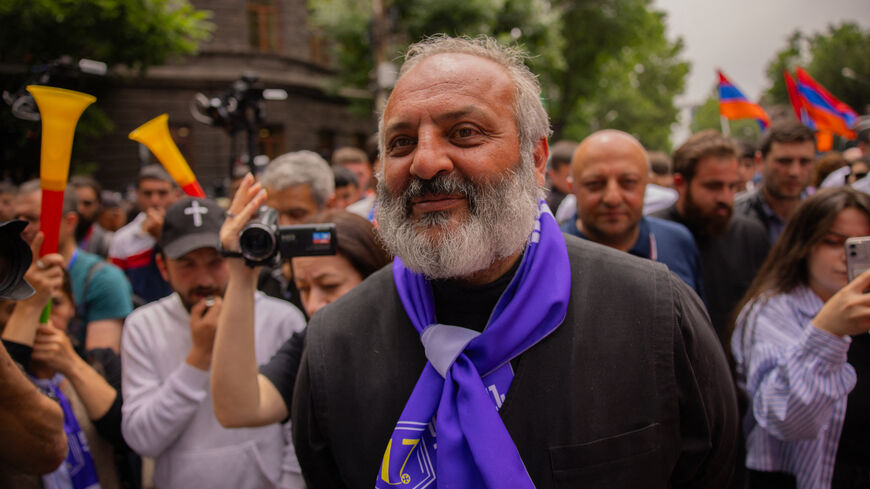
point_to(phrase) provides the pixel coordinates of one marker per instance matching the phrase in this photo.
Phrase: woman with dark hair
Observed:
(322, 279)
(242, 395)
(802, 352)
(91, 404)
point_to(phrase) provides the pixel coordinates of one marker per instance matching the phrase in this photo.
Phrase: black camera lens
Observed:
(15, 258)
(257, 243)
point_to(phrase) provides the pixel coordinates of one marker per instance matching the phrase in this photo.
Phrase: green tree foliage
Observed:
(706, 116)
(349, 24)
(134, 33)
(825, 56)
(634, 88)
(137, 33)
(786, 59)
(602, 63)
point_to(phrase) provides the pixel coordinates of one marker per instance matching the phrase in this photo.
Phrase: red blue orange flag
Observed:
(824, 137)
(734, 105)
(826, 110)
(797, 103)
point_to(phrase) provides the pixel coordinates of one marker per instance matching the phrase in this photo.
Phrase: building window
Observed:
(264, 25)
(319, 46)
(271, 141)
(360, 139)
(325, 143)
(181, 134)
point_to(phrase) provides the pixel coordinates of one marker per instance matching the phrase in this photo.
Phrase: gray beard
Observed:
(501, 216)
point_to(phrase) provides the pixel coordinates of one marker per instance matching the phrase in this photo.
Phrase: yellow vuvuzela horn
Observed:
(59, 110)
(155, 135)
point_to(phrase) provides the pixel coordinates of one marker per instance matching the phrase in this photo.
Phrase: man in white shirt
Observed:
(166, 355)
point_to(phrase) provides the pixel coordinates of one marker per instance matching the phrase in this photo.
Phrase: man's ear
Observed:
(330, 202)
(680, 183)
(69, 222)
(540, 155)
(161, 265)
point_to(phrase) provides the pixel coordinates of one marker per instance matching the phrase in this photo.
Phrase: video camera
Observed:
(60, 69)
(15, 258)
(264, 242)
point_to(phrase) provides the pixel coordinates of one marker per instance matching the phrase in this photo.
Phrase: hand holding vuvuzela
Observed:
(59, 110)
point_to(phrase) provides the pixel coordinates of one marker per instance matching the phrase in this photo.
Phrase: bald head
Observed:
(606, 146)
(610, 171)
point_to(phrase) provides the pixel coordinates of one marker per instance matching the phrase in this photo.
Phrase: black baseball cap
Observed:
(190, 224)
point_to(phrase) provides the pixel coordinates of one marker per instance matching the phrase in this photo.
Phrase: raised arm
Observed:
(240, 395)
(53, 348)
(31, 424)
(796, 373)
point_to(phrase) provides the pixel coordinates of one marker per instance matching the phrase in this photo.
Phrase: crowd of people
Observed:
(501, 310)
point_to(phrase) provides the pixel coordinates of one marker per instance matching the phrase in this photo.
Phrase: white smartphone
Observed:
(857, 256)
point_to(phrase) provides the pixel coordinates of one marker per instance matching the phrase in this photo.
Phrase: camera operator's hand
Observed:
(247, 201)
(45, 274)
(203, 325)
(153, 221)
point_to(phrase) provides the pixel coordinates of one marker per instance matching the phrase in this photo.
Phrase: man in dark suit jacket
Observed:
(628, 389)
(732, 246)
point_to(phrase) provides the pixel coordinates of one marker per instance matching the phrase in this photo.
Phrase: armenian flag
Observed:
(826, 111)
(797, 103)
(734, 105)
(824, 137)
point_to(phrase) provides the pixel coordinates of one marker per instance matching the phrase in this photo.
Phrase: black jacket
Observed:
(751, 205)
(729, 264)
(632, 390)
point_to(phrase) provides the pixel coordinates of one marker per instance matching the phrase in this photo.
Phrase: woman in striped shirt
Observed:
(802, 352)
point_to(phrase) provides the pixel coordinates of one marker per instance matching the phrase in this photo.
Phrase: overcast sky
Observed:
(741, 37)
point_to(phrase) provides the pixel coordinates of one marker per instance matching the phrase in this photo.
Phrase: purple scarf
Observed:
(78, 470)
(468, 374)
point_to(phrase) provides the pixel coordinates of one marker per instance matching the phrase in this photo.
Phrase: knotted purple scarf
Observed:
(468, 375)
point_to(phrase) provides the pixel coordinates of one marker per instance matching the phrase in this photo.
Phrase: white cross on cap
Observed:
(197, 211)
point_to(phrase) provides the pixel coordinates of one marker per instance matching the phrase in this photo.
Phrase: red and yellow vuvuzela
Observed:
(155, 135)
(59, 110)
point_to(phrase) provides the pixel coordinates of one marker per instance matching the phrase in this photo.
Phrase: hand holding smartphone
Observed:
(857, 256)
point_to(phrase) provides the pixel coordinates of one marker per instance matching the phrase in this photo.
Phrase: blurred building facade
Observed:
(271, 38)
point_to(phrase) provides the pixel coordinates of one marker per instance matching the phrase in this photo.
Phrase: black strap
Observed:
(771, 480)
(81, 310)
(227, 253)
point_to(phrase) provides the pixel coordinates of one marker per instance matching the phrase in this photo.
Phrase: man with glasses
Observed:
(787, 156)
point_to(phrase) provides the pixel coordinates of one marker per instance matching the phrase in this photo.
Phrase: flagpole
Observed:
(726, 128)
